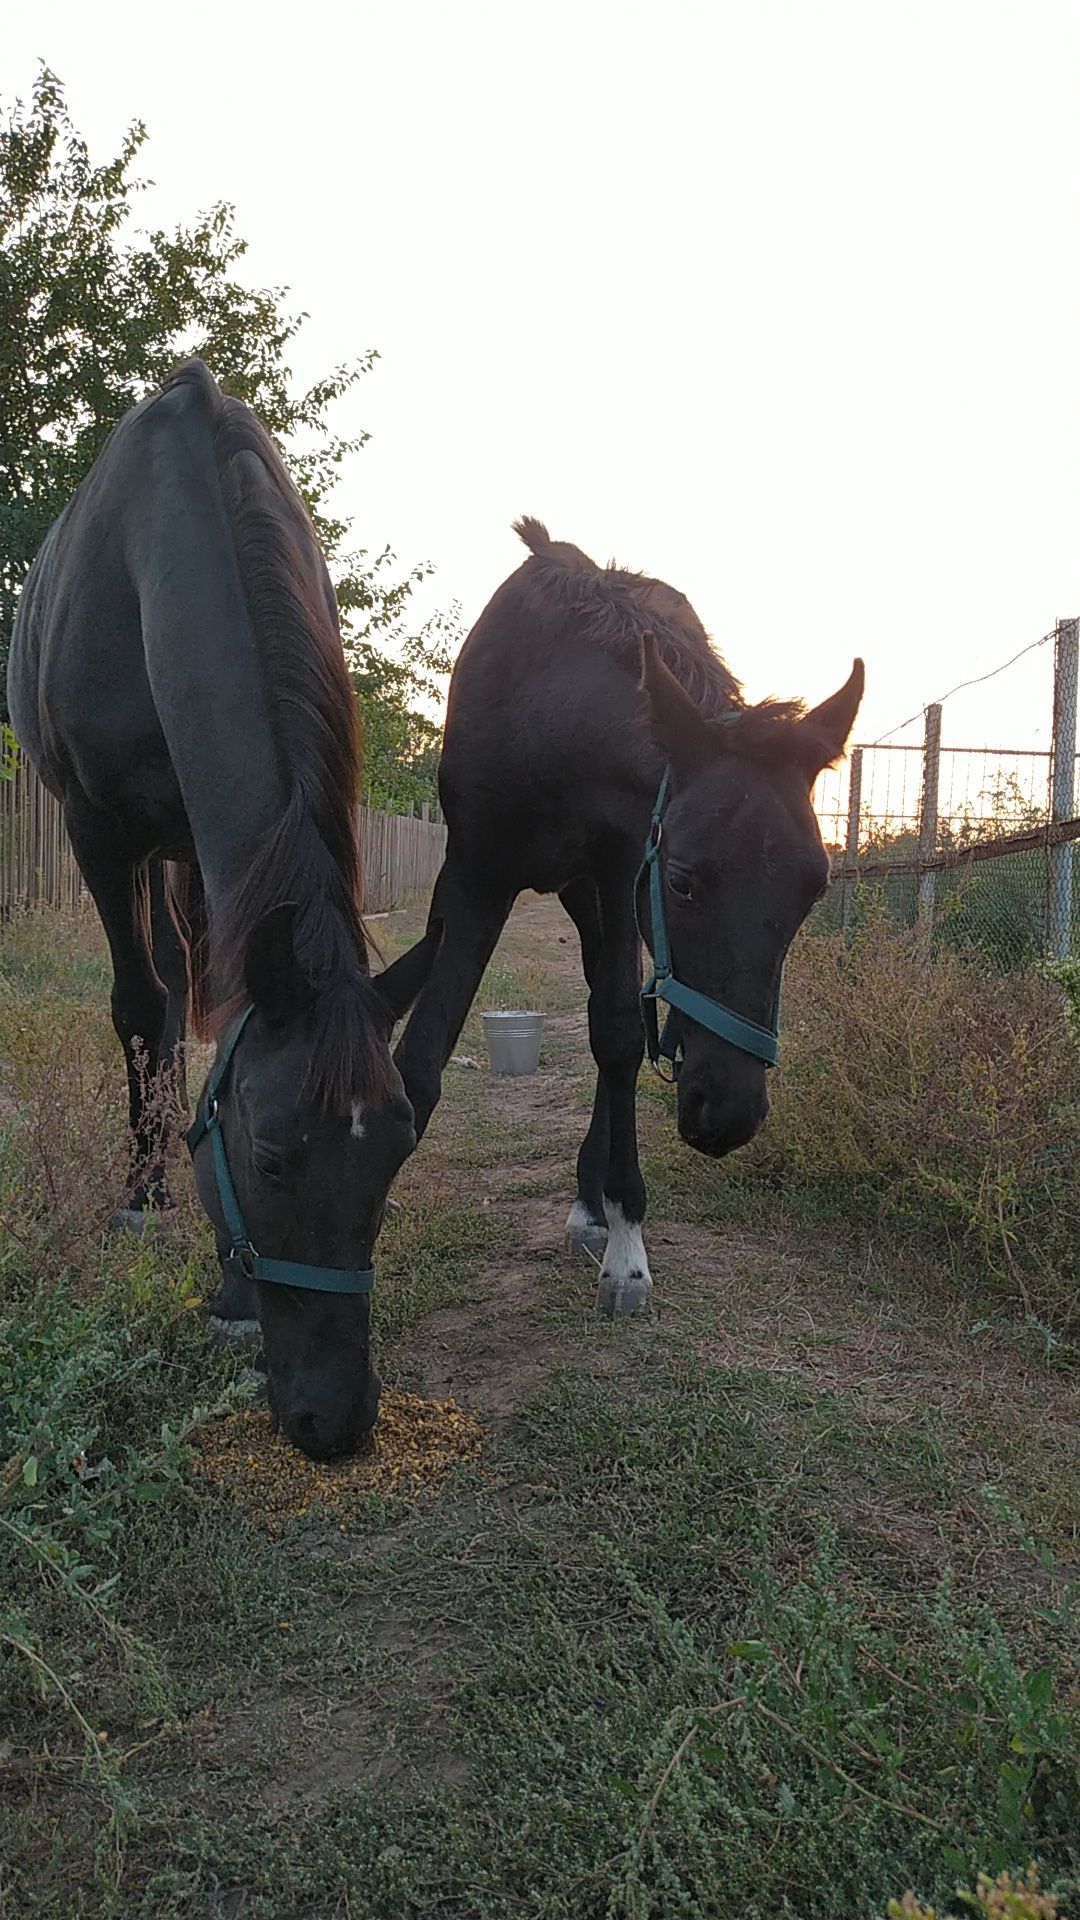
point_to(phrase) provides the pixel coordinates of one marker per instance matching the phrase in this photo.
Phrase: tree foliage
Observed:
(94, 314)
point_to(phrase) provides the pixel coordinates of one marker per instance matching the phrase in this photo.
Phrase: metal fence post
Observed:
(928, 813)
(1059, 876)
(851, 851)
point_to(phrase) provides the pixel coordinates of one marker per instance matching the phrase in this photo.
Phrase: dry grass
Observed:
(941, 1094)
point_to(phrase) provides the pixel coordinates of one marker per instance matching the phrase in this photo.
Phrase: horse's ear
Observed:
(276, 987)
(399, 984)
(681, 730)
(823, 733)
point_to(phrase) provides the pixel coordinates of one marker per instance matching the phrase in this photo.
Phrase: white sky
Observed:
(776, 301)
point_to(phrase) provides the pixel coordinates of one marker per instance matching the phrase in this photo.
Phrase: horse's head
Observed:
(310, 1178)
(741, 863)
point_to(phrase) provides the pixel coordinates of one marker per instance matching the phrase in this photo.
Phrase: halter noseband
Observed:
(762, 1042)
(242, 1257)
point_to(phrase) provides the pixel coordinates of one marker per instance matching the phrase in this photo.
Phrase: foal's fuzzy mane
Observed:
(618, 609)
(311, 857)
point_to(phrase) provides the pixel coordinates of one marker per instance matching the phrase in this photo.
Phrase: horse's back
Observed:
(80, 580)
(133, 630)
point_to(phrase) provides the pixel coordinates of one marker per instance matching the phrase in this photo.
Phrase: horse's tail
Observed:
(187, 899)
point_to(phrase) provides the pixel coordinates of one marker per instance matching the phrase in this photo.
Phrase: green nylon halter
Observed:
(762, 1042)
(242, 1257)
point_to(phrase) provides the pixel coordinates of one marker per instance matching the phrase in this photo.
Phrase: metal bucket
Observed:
(513, 1041)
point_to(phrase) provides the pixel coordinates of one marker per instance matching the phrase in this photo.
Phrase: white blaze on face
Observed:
(357, 1128)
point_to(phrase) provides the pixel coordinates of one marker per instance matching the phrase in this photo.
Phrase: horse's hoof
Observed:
(232, 1314)
(235, 1300)
(240, 1335)
(619, 1299)
(591, 1240)
(583, 1233)
(137, 1220)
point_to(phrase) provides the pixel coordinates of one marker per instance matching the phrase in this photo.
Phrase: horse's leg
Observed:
(169, 948)
(618, 1045)
(472, 921)
(235, 1304)
(118, 885)
(586, 1225)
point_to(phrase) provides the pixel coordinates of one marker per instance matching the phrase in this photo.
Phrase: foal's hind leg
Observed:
(472, 920)
(118, 883)
(586, 1225)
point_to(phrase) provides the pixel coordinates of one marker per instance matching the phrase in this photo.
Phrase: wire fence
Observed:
(970, 845)
(401, 853)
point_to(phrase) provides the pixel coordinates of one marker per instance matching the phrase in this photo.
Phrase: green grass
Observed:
(765, 1609)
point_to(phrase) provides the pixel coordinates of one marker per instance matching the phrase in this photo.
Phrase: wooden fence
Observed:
(401, 854)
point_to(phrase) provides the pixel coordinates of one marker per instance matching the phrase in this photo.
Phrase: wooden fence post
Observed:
(851, 852)
(1059, 875)
(928, 815)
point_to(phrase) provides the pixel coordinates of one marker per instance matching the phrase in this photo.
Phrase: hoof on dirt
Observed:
(590, 1239)
(136, 1220)
(584, 1233)
(619, 1299)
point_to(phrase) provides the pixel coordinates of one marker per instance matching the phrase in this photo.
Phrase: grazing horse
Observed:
(177, 679)
(588, 715)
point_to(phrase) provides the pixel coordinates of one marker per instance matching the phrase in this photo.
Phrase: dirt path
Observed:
(777, 1298)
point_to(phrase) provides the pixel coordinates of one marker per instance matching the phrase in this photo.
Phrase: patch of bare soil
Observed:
(492, 1353)
(306, 1748)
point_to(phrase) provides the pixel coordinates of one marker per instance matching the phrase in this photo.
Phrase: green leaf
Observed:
(1039, 1687)
(30, 1471)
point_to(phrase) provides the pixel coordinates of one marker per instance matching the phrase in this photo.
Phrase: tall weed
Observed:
(946, 1096)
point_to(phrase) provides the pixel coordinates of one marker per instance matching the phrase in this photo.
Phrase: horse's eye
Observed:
(270, 1164)
(680, 883)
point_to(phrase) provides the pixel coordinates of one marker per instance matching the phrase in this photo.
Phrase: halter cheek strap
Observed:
(762, 1042)
(242, 1257)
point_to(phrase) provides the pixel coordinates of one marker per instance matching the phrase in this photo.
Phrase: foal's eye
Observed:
(680, 883)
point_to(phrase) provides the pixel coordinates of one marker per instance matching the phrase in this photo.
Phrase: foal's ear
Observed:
(681, 730)
(823, 732)
(276, 987)
(399, 984)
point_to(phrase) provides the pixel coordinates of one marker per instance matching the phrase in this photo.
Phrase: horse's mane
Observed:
(311, 857)
(618, 609)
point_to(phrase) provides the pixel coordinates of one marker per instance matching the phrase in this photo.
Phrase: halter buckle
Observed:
(242, 1259)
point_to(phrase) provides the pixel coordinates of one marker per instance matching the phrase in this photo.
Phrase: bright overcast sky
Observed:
(777, 301)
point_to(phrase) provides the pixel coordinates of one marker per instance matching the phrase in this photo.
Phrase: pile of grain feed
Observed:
(415, 1443)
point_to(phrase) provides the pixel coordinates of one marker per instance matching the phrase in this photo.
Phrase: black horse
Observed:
(576, 690)
(177, 679)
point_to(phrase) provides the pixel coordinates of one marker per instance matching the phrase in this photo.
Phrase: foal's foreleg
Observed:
(618, 1045)
(472, 921)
